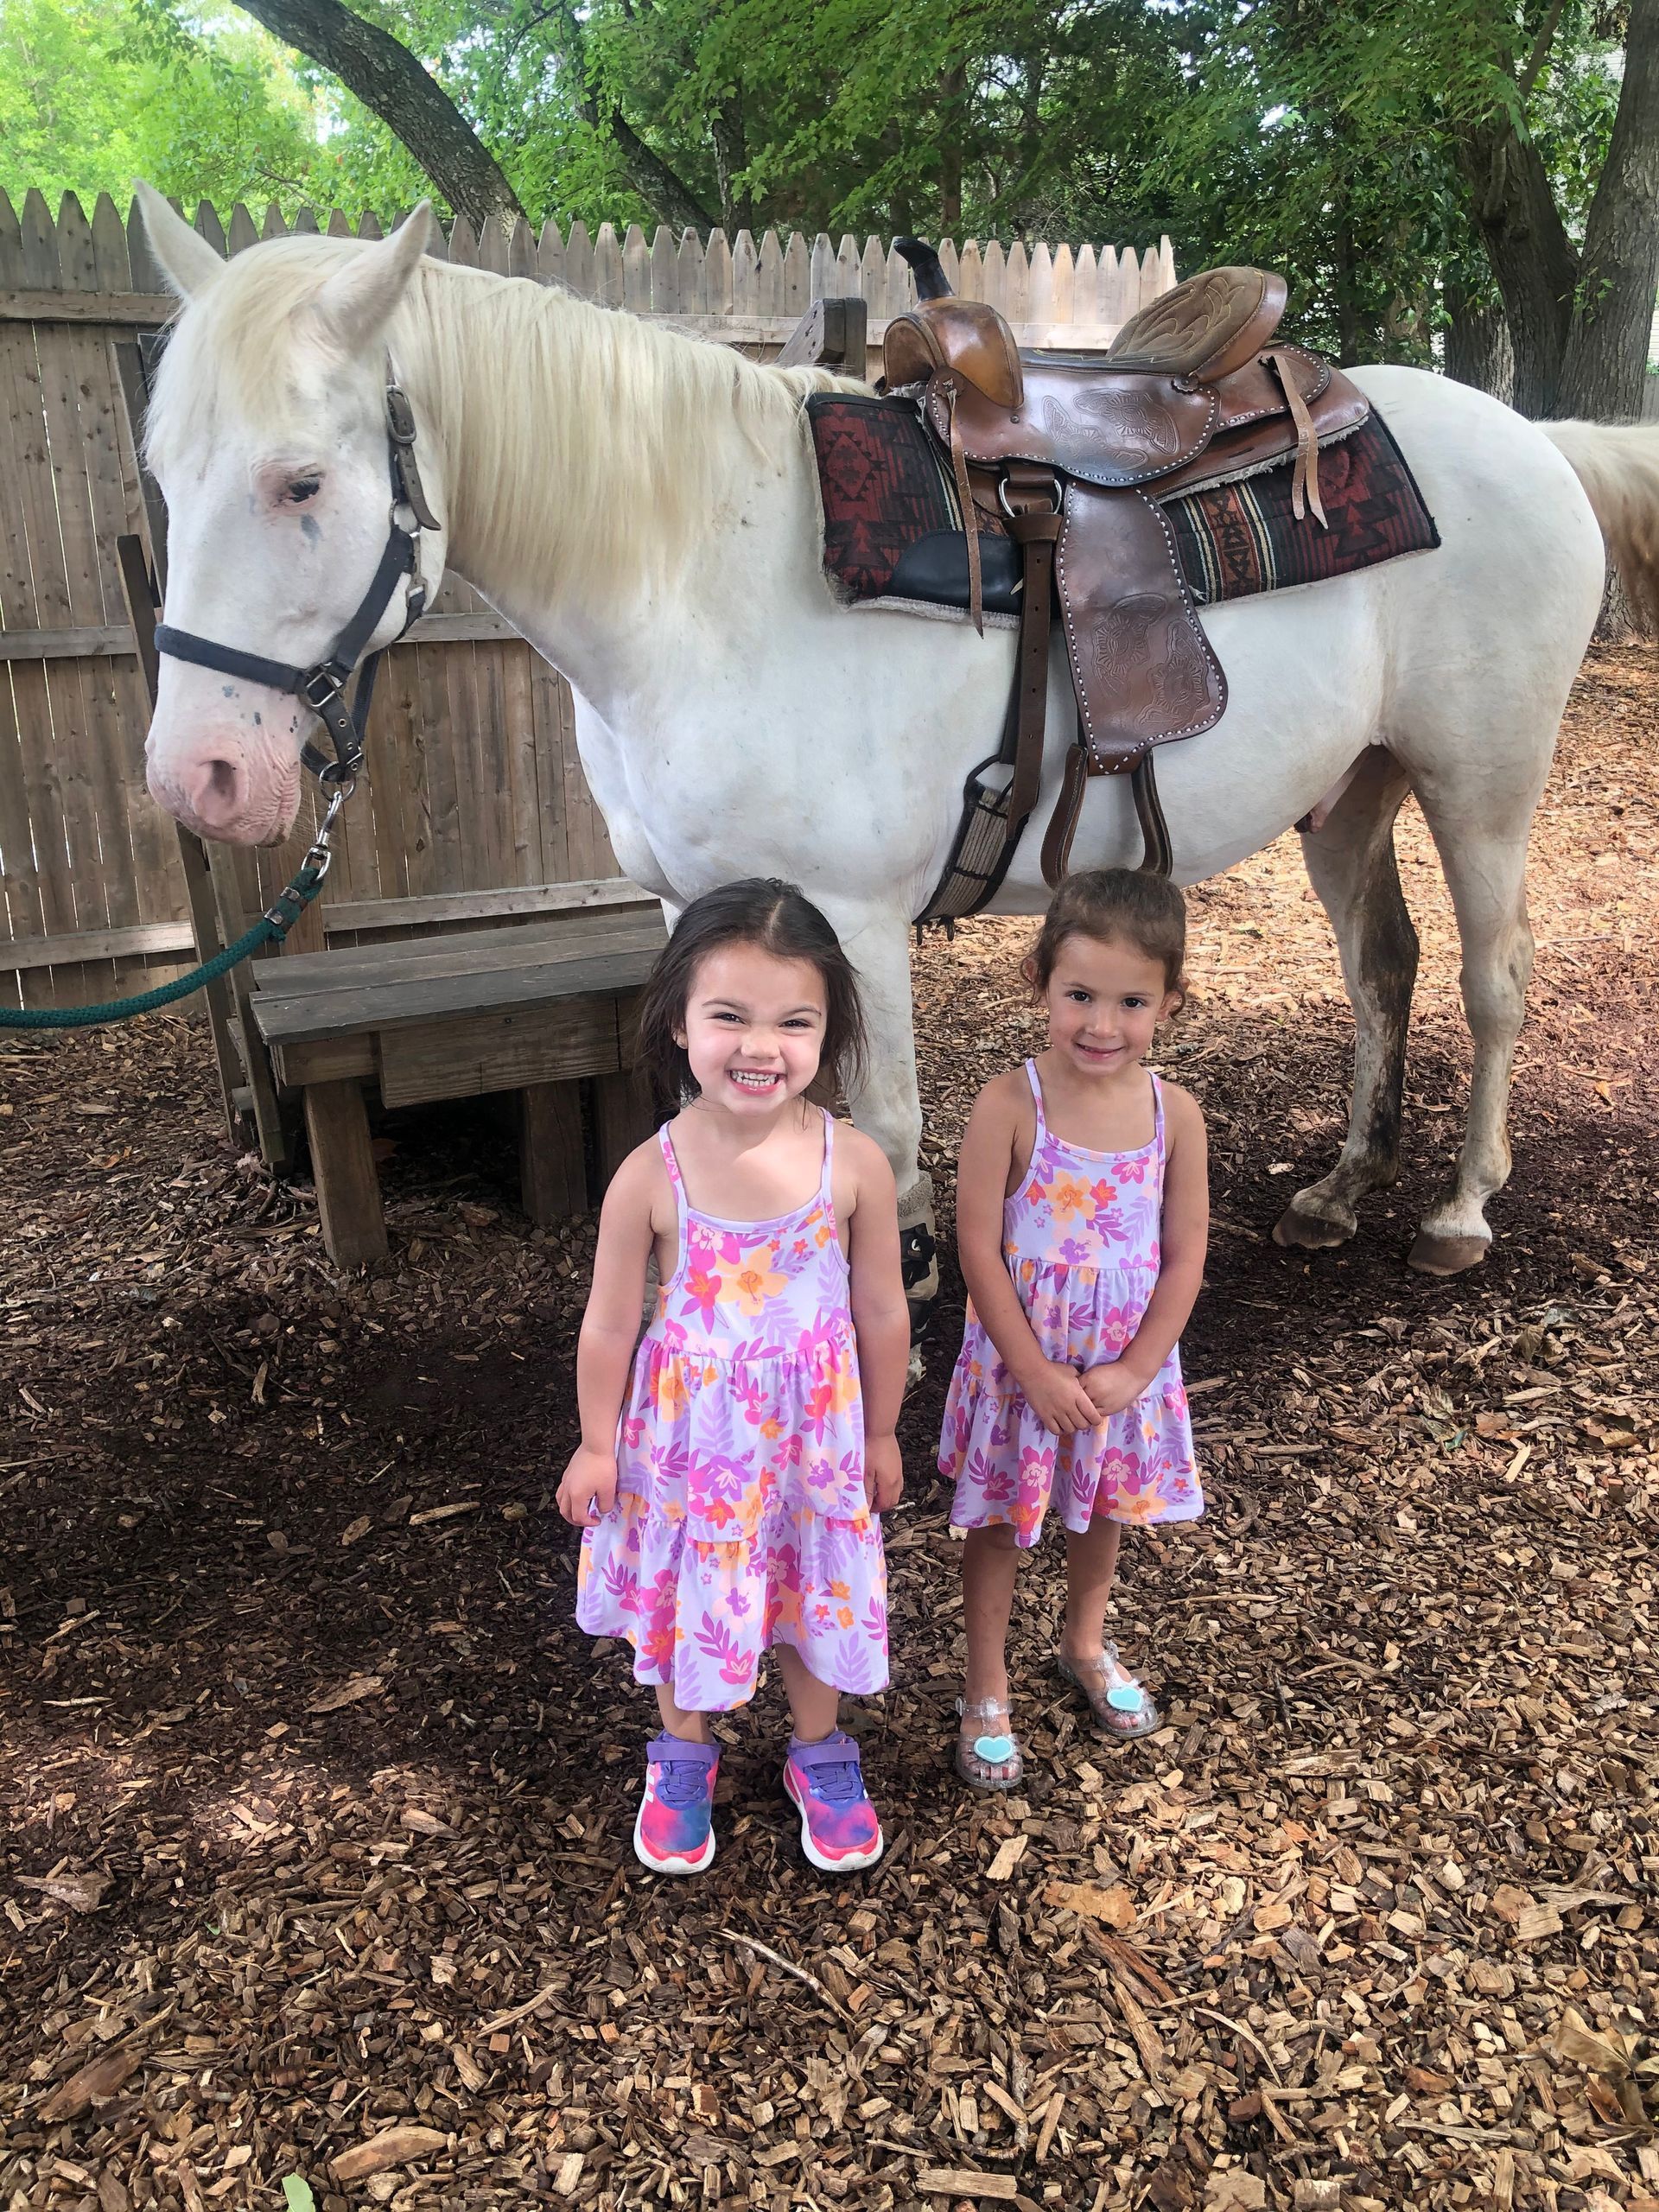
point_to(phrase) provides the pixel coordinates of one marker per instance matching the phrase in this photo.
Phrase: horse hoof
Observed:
(1300, 1229)
(1433, 1255)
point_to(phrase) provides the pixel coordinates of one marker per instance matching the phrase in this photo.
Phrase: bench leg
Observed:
(621, 1120)
(552, 1159)
(348, 1189)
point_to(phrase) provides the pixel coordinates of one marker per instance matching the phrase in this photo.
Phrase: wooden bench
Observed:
(536, 1008)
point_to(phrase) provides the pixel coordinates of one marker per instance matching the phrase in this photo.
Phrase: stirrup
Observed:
(977, 1760)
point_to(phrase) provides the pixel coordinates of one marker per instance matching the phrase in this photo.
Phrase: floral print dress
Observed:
(740, 1520)
(1080, 1237)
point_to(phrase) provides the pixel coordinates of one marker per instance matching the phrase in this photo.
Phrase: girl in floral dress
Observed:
(1082, 1217)
(732, 1467)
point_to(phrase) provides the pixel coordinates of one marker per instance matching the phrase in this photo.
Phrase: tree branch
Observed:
(1540, 53)
(392, 84)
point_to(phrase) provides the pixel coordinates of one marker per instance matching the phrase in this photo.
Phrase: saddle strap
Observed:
(1142, 665)
(1032, 502)
(1305, 477)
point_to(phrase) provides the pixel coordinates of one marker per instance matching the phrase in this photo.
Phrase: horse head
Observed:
(271, 435)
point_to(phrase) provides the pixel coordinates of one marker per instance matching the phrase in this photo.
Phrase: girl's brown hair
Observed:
(781, 919)
(1105, 903)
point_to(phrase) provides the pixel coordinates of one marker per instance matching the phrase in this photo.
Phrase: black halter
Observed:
(323, 687)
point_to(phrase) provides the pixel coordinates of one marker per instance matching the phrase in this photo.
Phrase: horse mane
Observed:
(635, 431)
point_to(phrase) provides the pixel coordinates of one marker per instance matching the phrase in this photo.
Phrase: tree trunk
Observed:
(731, 157)
(1530, 253)
(953, 86)
(1477, 348)
(392, 84)
(670, 198)
(1605, 373)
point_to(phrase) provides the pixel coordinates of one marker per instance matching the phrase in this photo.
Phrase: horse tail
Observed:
(1618, 464)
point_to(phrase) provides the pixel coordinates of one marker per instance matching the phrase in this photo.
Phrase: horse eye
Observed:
(301, 488)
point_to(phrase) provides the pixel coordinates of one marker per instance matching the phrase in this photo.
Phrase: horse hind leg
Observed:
(1485, 873)
(1350, 863)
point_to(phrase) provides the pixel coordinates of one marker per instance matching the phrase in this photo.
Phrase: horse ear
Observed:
(357, 302)
(188, 263)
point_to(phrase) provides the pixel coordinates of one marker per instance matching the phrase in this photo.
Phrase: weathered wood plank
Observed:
(608, 267)
(140, 939)
(552, 1153)
(312, 994)
(501, 989)
(465, 1057)
(622, 1115)
(664, 273)
(342, 1160)
(601, 892)
(745, 269)
(636, 271)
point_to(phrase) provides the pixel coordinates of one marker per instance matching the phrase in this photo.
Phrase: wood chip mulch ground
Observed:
(315, 1886)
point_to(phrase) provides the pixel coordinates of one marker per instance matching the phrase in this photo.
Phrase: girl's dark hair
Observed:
(1145, 911)
(781, 919)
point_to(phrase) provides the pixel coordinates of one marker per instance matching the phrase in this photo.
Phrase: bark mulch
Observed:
(315, 1886)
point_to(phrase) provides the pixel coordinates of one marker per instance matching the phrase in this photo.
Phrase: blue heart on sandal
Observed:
(1125, 1697)
(996, 1750)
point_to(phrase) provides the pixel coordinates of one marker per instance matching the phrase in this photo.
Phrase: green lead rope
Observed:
(271, 927)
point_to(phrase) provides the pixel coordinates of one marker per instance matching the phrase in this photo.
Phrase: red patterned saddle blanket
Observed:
(892, 524)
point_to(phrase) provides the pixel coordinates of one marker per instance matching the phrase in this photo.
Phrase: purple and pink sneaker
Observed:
(825, 1784)
(674, 1832)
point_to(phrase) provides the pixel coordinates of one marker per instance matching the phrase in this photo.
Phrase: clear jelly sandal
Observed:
(1120, 1705)
(991, 1757)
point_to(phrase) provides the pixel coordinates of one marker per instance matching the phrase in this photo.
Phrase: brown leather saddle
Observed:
(1074, 452)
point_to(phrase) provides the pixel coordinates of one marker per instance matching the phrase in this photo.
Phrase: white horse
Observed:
(642, 507)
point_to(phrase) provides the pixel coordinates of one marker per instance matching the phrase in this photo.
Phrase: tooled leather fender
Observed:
(1141, 663)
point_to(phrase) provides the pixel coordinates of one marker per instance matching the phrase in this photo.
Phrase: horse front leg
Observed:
(885, 1103)
(1351, 865)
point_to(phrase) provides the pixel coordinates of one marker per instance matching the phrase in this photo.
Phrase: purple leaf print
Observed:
(717, 1640)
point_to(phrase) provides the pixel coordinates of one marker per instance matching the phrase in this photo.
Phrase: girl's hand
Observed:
(1111, 1388)
(1055, 1394)
(589, 1482)
(884, 1474)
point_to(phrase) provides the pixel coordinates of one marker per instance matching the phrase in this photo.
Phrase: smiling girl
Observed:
(1082, 1217)
(731, 1468)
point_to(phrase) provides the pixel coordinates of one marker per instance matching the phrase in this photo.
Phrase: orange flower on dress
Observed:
(752, 1280)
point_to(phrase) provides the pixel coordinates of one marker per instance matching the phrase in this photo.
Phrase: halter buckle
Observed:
(323, 685)
(400, 416)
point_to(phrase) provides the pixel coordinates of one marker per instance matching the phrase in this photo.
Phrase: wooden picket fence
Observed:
(474, 808)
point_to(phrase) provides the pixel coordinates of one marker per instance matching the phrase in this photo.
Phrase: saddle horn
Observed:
(932, 282)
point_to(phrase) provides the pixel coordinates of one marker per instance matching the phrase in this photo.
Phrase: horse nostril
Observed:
(216, 792)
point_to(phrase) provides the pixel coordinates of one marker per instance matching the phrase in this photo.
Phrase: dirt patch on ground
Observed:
(314, 1806)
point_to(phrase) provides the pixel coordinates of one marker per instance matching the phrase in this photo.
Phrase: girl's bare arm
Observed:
(1183, 1241)
(610, 1328)
(880, 1314)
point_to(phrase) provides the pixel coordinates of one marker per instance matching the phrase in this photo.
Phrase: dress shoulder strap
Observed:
(676, 1184)
(824, 1192)
(1158, 1115)
(1036, 1081)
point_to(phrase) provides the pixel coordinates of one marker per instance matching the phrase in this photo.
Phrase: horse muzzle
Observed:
(224, 789)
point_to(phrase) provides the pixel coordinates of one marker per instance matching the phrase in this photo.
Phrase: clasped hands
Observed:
(1067, 1403)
